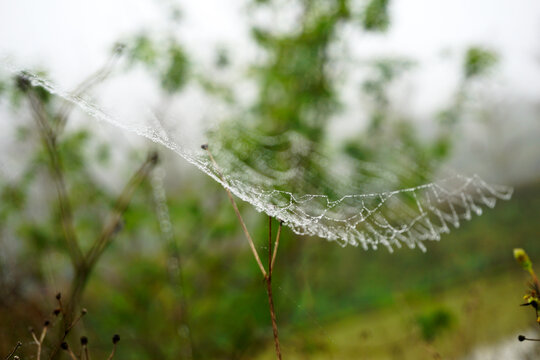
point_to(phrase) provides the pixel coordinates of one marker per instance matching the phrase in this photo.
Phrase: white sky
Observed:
(68, 36)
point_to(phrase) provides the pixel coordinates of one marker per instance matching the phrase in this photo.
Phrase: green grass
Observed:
(482, 312)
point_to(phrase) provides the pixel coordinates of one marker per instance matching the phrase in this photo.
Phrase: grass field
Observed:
(479, 313)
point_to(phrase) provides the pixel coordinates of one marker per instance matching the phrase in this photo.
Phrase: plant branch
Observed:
(113, 224)
(49, 140)
(19, 344)
(94, 79)
(237, 212)
(111, 227)
(276, 244)
(268, 279)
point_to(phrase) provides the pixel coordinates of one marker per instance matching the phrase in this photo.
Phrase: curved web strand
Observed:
(371, 218)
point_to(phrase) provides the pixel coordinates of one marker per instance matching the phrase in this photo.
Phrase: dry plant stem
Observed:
(271, 256)
(49, 139)
(109, 230)
(276, 245)
(71, 354)
(19, 344)
(268, 279)
(39, 342)
(528, 339)
(239, 216)
(112, 352)
(94, 79)
(112, 225)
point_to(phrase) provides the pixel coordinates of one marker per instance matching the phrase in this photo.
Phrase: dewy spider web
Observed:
(368, 216)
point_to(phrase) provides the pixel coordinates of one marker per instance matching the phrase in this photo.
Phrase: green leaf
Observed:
(376, 17)
(478, 61)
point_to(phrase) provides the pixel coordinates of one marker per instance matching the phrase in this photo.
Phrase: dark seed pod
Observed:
(204, 146)
(115, 338)
(64, 345)
(84, 340)
(22, 82)
(521, 338)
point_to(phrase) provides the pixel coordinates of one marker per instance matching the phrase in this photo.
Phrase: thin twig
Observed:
(71, 354)
(271, 257)
(109, 230)
(268, 279)
(276, 244)
(237, 212)
(112, 226)
(269, 246)
(94, 79)
(40, 341)
(18, 345)
(49, 139)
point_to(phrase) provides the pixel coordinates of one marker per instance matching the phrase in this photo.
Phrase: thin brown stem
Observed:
(271, 255)
(91, 81)
(276, 244)
(110, 228)
(71, 354)
(268, 279)
(49, 140)
(113, 224)
(112, 352)
(19, 344)
(39, 341)
(237, 212)
(269, 246)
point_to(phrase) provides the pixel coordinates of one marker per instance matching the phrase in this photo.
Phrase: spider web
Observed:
(364, 213)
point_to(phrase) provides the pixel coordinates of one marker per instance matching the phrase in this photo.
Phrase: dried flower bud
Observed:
(64, 345)
(22, 82)
(58, 296)
(204, 146)
(47, 323)
(84, 340)
(521, 338)
(84, 311)
(56, 312)
(115, 338)
(153, 157)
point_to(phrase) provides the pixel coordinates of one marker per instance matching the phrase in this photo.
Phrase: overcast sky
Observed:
(68, 36)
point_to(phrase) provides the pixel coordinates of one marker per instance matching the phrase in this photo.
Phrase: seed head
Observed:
(84, 340)
(115, 339)
(22, 82)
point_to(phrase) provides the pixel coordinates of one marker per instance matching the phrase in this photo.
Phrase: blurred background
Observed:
(452, 85)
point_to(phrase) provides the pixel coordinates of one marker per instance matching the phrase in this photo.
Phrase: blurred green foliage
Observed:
(434, 322)
(376, 17)
(478, 61)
